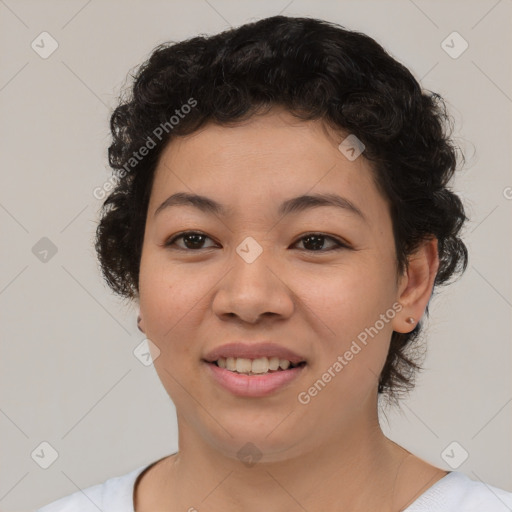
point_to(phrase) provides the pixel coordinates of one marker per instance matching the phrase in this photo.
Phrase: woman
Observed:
(281, 217)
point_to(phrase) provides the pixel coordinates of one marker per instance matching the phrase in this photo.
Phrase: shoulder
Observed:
(114, 495)
(457, 492)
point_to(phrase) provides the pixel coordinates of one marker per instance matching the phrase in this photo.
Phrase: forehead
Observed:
(267, 141)
(261, 161)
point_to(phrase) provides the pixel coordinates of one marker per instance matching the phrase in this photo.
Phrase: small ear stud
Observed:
(411, 320)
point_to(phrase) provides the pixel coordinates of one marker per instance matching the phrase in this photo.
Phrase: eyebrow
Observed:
(293, 205)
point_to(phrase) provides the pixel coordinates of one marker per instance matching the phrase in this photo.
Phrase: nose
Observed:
(252, 291)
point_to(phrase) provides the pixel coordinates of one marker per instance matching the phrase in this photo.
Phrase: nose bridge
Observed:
(252, 264)
(253, 287)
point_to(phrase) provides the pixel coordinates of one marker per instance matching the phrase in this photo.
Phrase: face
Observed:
(319, 280)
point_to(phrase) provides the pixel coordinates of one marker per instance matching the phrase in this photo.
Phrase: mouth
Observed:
(253, 378)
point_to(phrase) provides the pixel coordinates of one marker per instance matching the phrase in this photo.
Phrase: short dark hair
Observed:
(316, 70)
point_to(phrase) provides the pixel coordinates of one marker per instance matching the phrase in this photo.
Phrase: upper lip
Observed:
(253, 351)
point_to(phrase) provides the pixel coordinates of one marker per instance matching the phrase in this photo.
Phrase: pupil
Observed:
(317, 241)
(196, 239)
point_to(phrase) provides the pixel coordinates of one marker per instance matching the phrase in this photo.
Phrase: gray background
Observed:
(67, 369)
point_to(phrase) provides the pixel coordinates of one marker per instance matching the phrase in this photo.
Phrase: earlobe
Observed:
(416, 288)
(139, 320)
(404, 324)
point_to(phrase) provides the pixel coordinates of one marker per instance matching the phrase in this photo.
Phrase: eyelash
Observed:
(339, 244)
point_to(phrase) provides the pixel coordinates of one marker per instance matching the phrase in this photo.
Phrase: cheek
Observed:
(347, 299)
(169, 300)
(353, 311)
(347, 362)
(169, 304)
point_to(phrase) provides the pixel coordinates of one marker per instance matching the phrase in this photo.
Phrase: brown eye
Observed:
(316, 242)
(192, 240)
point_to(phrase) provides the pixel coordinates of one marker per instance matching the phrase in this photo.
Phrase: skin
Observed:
(330, 454)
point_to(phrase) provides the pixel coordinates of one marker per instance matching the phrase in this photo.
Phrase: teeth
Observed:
(273, 363)
(243, 365)
(284, 364)
(255, 366)
(259, 365)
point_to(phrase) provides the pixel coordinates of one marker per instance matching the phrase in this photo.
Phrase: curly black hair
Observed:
(316, 70)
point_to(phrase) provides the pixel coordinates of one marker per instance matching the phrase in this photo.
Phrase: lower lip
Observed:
(253, 385)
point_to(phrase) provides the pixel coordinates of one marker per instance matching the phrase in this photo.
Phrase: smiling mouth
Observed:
(257, 366)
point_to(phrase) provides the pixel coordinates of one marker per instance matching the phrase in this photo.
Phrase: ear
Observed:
(415, 285)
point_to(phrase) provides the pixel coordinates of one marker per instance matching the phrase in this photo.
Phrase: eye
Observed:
(193, 240)
(313, 242)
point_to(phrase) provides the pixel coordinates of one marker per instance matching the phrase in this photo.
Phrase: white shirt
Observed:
(455, 492)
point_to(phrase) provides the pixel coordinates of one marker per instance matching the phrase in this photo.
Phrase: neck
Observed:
(354, 470)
